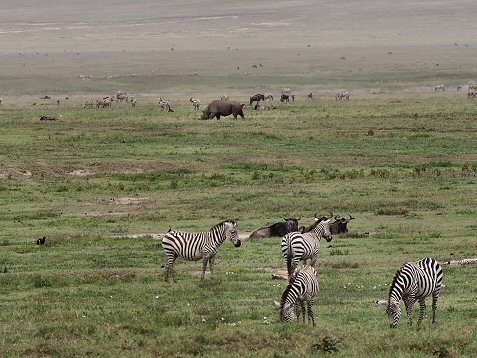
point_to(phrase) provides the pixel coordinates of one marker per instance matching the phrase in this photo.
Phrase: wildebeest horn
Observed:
(331, 215)
(350, 217)
(337, 217)
(298, 218)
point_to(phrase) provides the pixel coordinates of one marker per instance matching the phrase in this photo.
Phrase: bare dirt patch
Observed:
(129, 200)
(81, 172)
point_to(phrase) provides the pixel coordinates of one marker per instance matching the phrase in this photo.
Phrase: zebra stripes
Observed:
(299, 295)
(195, 103)
(195, 246)
(298, 246)
(414, 281)
(342, 94)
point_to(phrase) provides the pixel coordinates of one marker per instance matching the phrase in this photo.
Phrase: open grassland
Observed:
(403, 164)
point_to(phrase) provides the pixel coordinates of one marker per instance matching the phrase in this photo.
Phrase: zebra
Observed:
(133, 102)
(224, 98)
(195, 103)
(299, 295)
(342, 94)
(298, 246)
(195, 246)
(472, 93)
(414, 281)
(165, 105)
(88, 103)
(439, 88)
(121, 96)
(268, 95)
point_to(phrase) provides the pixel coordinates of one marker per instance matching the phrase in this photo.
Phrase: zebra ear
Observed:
(277, 304)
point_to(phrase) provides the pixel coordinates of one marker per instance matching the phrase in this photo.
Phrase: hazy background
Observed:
(134, 44)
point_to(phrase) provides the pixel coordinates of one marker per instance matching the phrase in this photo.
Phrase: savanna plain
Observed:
(103, 185)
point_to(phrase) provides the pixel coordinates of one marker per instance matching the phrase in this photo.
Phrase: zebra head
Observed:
(232, 233)
(393, 311)
(286, 310)
(326, 229)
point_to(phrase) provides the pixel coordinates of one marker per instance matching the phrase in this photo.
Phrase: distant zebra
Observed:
(268, 95)
(299, 295)
(88, 103)
(439, 88)
(286, 91)
(224, 98)
(165, 105)
(133, 102)
(121, 96)
(195, 246)
(195, 103)
(471, 93)
(1, 100)
(298, 246)
(342, 94)
(414, 281)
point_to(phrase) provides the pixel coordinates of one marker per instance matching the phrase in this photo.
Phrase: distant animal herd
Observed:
(414, 281)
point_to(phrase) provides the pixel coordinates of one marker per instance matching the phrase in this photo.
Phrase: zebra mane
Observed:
(396, 276)
(222, 223)
(291, 281)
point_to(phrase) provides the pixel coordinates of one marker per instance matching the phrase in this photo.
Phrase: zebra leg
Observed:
(204, 265)
(212, 264)
(435, 296)
(422, 309)
(409, 303)
(311, 317)
(170, 267)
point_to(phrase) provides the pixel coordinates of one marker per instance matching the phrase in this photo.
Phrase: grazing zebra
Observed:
(299, 295)
(439, 88)
(88, 103)
(195, 246)
(472, 93)
(121, 96)
(195, 103)
(287, 91)
(298, 246)
(414, 281)
(342, 94)
(268, 95)
(165, 105)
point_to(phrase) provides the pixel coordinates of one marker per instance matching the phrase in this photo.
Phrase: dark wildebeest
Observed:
(340, 226)
(41, 241)
(219, 108)
(279, 229)
(286, 97)
(257, 98)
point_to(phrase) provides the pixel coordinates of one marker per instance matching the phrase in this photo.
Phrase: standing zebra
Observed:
(414, 281)
(165, 105)
(195, 246)
(301, 291)
(439, 88)
(195, 103)
(342, 94)
(298, 246)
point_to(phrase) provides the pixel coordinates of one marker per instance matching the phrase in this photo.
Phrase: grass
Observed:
(402, 163)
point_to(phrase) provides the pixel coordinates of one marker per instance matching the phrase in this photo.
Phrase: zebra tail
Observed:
(289, 260)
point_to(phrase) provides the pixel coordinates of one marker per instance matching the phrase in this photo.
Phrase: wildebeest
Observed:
(218, 108)
(286, 97)
(340, 225)
(47, 118)
(310, 95)
(278, 229)
(257, 98)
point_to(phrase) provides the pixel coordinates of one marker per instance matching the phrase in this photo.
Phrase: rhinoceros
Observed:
(219, 108)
